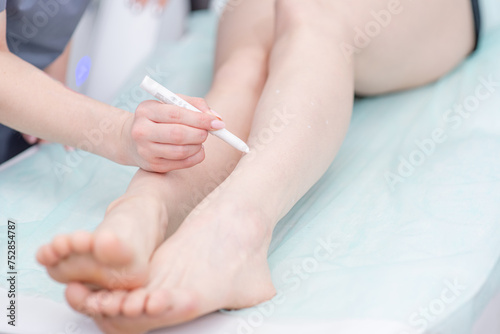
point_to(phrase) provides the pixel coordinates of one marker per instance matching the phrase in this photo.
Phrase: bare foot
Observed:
(117, 254)
(216, 260)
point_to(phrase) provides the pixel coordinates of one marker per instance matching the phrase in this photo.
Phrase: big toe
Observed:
(185, 307)
(134, 304)
(176, 307)
(158, 302)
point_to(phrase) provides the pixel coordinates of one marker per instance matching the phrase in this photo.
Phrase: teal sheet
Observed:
(420, 246)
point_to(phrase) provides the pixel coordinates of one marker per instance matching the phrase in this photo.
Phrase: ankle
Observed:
(139, 203)
(236, 217)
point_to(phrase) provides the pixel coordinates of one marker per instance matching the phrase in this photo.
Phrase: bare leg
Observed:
(311, 78)
(117, 254)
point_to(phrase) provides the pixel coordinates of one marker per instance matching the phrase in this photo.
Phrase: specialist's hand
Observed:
(164, 137)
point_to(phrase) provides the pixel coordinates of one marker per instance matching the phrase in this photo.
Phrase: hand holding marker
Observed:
(166, 96)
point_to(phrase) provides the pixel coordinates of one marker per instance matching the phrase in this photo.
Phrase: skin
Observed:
(57, 70)
(157, 139)
(217, 258)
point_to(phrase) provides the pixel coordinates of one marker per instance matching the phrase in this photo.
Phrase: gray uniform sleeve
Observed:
(41, 42)
(2, 5)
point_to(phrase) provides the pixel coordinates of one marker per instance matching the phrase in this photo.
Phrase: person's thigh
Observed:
(246, 28)
(394, 44)
(401, 44)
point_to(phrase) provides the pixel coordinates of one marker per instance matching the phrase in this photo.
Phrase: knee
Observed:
(322, 16)
(293, 11)
(292, 14)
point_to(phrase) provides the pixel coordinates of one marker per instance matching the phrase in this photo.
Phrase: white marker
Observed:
(166, 96)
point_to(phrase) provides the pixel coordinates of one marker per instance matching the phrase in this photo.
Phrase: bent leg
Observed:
(117, 254)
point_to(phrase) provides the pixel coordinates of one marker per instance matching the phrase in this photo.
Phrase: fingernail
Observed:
(216, 114)
(218, 125)
(70, 149)
(31, 139)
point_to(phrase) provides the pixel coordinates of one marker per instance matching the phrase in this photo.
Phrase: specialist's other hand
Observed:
(32, 140)
(166, 137)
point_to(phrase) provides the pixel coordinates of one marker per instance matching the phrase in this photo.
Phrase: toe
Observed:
(185, 307)
(81, 242)
(112, 304)
(62, 247)
(94, 302)
(158, 302)
(110, 250)
(134, 304)
(77, 295)
(181, 306)
(103, 299)
(47, 256)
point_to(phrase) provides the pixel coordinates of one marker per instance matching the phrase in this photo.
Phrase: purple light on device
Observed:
(83, 70)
